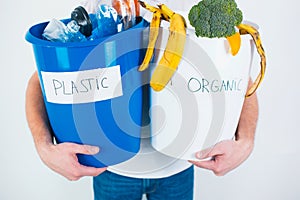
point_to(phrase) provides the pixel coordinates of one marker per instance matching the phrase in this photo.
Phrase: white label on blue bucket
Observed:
(82, 86)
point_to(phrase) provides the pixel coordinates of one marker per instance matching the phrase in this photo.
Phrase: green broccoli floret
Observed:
(215, 18)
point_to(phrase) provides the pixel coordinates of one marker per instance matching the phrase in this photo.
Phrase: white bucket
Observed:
(201, 105)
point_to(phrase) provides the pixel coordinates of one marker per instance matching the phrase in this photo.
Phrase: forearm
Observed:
(36, 114)
(248, 119)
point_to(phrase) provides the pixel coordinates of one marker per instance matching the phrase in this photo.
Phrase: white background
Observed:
(272, 171)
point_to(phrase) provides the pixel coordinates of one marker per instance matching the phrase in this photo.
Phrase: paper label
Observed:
(82, 86)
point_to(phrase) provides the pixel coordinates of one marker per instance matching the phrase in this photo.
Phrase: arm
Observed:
(61, 158)
(229, 154)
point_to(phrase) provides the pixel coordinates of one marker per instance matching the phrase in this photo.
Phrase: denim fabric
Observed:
(110, 186)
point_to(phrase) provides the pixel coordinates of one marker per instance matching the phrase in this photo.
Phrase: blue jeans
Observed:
(110, 186)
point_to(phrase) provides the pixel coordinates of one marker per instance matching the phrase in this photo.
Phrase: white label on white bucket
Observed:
(82, 86)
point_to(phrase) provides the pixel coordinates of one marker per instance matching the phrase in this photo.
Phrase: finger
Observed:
(84, 149)
(217, 149)
(205, 153)
(210, 164)
(88, 149)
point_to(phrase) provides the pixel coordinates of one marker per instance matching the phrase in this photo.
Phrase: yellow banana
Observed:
(247, 29)
(166, 12)
(173, 53)
(153, 34)
(174, 49)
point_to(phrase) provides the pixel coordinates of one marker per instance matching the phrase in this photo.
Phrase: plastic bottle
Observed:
(105, 21)
(112, 16)
(76, 30)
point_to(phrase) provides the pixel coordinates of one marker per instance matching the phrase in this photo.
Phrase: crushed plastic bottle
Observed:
(57, 31)
(106, 21)
(75, 30)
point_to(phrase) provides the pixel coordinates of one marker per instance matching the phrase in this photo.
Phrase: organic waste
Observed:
(210, 18)
(174, 49)
(220, 18)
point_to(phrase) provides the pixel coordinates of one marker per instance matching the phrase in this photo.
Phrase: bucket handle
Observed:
(248, 29)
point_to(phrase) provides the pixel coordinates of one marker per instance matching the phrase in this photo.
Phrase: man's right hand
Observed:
(62, 158)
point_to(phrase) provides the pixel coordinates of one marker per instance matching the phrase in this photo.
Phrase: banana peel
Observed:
(175, 45)
(248, 29)
(153, 34)
(172, 55)
(235, 43)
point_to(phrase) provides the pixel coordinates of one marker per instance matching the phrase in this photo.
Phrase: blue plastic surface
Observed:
(114, 124)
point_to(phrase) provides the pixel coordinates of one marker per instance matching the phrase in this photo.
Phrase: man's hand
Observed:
(229, 154)
(225, 156)
(62, 159)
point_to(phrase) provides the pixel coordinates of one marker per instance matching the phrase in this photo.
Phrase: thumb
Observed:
(205, 153)
(86, 149)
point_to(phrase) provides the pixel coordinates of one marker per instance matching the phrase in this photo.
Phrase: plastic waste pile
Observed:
(109, 17)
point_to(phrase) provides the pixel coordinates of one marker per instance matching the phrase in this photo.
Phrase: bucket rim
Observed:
(33, 39)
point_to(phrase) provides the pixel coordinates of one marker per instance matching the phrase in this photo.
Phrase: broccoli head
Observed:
(215, 18)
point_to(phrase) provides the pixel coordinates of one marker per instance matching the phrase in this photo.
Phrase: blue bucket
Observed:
(93, 91)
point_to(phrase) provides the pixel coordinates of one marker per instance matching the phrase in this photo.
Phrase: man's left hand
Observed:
(225, 156)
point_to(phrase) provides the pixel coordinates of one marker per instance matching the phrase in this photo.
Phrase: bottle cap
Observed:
(80, 15)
